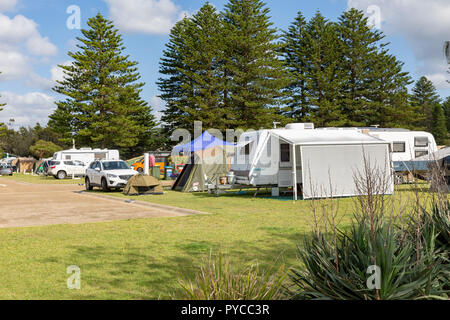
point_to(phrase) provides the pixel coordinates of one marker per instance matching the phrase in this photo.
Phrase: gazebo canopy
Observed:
(205, 141)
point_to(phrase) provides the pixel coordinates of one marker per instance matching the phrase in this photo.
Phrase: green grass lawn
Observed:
(39, 179)
(142, 258)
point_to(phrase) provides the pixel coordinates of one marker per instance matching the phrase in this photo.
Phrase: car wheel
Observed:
(61, 175)
(87, 183)
(105, 185)
(140, 170)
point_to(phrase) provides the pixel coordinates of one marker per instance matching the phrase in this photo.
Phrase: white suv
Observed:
(67, 168)
(108, 174)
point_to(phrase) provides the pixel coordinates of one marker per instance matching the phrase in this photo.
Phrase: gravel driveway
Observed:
(24, 204)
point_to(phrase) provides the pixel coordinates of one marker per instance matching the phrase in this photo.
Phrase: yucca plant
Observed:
(431, 232)
(218, 280)
(342, 271)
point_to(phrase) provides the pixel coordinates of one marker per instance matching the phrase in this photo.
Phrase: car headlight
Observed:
(110, 175)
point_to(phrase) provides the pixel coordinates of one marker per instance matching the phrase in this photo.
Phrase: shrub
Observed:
(218, 280)
(341, 271)
(421, 229)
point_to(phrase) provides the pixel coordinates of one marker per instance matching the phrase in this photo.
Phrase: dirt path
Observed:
(23, 204)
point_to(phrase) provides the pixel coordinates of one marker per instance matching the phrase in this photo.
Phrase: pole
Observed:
(146, 164)
(294, 172)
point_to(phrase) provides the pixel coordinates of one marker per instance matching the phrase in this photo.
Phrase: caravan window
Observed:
(99, 155)
(68, 157)
(421, 153)
(285, 152)
(246, 149)
(399, 146)
(421, 141)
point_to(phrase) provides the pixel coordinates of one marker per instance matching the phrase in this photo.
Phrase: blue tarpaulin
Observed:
(205, 141)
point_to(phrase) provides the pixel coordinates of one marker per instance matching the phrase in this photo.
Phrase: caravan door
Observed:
(285, 165)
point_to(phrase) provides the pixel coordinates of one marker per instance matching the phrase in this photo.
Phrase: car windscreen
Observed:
(115, 165)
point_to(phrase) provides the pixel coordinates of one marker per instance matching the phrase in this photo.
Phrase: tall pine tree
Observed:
(192, 64)
(297, 59)
(375, 85)
(424, 97)
(438, 125)
(103, 107)
(446, 108)
(254, 73)
(172, 84)
(323, 76)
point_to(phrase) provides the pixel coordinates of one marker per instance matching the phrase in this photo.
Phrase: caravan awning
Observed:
(325, 137)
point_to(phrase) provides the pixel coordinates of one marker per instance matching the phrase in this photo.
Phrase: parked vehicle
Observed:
(108, 174)
(64, 169)
(86, 155)
(5, 170)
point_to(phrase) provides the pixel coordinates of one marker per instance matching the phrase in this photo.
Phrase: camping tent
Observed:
(209, 159)
(143, 184)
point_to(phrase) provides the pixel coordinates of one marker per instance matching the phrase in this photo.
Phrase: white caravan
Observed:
(406, 145)
(326, 161)
(86, 155)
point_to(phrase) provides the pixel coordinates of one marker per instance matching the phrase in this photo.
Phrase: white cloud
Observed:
(27, 109)
(158, 106)
(18, 30)
(424, 25)
(57, 74)
(13, 65)
(21, 46)
(7, 5)
(144, 16)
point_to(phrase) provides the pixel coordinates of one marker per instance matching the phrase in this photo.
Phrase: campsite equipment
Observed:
(210, 158)
(321, 163)
(142, 184)
(160, 159)
(156, 172)
(167, 172)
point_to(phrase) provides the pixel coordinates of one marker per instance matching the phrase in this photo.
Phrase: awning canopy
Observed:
(205, 141)
(325, 137)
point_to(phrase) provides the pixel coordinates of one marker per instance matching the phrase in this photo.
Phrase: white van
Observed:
(86, 155)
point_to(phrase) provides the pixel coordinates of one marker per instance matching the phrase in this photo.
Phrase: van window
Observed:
(399, 146)
(69, 163)
(245, 150)
(285, 152)
(93, 165)
(420, 153)
(421, 141)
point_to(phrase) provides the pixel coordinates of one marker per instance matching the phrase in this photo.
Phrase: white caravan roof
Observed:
(325, 137)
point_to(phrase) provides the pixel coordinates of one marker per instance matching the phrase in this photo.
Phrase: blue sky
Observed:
(34, 39)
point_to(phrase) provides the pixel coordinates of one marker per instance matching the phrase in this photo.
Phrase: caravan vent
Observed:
(300, 126)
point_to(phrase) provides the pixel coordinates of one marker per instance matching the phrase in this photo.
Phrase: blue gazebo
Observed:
(205, 141)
